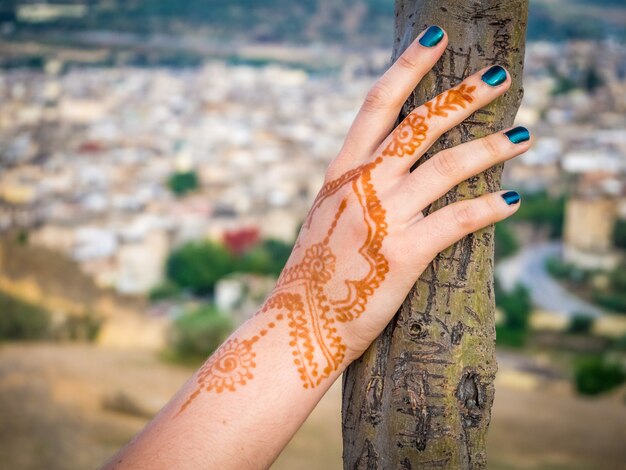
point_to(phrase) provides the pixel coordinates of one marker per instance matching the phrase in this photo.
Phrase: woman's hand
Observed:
(363, 245)
(365, 240)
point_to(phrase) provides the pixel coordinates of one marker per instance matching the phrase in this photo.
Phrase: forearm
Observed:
(242, 407)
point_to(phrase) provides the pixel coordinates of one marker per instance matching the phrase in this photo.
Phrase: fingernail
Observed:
(495, 76)
(511, 197)
(518, 134)
(432, 36)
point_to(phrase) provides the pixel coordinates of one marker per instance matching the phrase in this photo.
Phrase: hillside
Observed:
(353, 22)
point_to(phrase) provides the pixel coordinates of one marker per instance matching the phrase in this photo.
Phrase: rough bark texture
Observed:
(421, 396)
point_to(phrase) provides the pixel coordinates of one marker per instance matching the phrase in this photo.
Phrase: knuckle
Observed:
(332, 171)
(379, 97)
(407, 61)
(493, 208)
(491, 149)
(464, 216)
(445, 164)
(343, 161)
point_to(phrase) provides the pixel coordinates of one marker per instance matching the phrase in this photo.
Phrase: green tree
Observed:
(8, 11)
(542, 210)
(580, 324)
(197, 266)
(613, 298)
(619, 234)
(165, 290)
(563, 85)
(594, 375)
(615, 301)
(617, 278)
(183, 182)
(269, 257)
(516, 307)
(592, 79)
(506, 243)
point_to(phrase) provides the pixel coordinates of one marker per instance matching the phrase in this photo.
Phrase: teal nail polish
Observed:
(518, 135)
(495, 76)
(432, 36)
(511, 197)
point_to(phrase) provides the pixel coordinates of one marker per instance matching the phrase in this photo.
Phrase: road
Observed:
(528, 268)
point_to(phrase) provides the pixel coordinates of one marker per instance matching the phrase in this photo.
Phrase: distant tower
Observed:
(590, 216)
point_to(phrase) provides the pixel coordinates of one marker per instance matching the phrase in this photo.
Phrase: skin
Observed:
(364, 244)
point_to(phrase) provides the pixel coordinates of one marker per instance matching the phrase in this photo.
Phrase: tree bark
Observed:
(421, 395)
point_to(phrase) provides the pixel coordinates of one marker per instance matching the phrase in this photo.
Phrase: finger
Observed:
(425, 124)
(435, 177)
(449, 224)
(382, 104)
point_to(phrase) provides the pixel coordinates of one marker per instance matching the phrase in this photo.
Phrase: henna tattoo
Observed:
(332, 187)
(230, 365)
(374, 215)
(407, 137)
(302, 297)
(450, 101)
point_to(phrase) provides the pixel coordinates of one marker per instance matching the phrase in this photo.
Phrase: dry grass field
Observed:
(70, 406)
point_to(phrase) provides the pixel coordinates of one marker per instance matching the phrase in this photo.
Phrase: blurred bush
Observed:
(611, 301)
(183, 182)
(516, 307)
(558, 268)
(620, 344)
(567, 271)
(198, 266)
(542, 210)
(165, 290)
(81, 327)
(619, 234)
(580, 324)
(20, 320)
(197, 334)
(269, 257)
(594, 375)
(506, 243)
(511, 337)
(614, 296)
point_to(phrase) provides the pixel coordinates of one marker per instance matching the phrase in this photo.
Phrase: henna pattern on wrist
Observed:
(301, 296)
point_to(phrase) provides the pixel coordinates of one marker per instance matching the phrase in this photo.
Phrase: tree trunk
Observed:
(421, 395)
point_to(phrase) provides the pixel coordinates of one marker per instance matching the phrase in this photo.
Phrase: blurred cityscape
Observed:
(157, 160)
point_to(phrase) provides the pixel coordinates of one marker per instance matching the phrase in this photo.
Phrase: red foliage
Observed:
(240, 240)
(90, 146)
